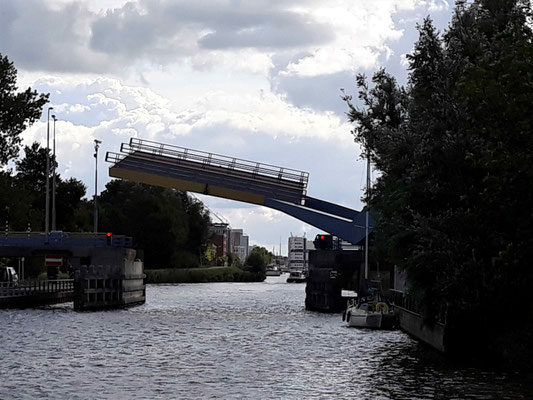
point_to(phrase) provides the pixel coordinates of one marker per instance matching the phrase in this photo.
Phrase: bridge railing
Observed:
(209, 159)
(406, 301)
(29, 288)
(59, 238)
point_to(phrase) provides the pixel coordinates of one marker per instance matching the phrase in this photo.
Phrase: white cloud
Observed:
(361, 30)
(106, 109)
(245, 81)
(340, 35)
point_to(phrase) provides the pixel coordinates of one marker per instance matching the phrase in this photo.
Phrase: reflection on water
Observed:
(226, 340)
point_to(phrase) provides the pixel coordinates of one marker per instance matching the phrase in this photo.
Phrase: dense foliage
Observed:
(18, 110)
(169, 225)
(22, 196)
(257, 261)
(455, 153)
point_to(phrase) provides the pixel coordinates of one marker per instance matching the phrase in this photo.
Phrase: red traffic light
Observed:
(109, 238)
(322, 237)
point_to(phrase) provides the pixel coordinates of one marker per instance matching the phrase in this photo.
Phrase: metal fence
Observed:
(147, 147)
(65, 239)
(31, 288)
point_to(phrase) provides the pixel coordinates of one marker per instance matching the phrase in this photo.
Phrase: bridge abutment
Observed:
(110, 286)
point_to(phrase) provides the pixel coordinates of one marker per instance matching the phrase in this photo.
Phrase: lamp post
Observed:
(47, 211)
(7, 220)
(96, 146)
(54, 177)
(366, 213)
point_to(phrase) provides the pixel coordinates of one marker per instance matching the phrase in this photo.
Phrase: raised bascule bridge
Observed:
(280, 188)
(109, 275)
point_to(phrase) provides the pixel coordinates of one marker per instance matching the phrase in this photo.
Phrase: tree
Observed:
(170, 226)
(16, 205)
(455, 149)
(31, 175)
(258, 259)
(73, 211)
(210, 254)
(30, 169)
(17, 110)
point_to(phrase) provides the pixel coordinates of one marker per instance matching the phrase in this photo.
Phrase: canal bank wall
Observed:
(413, 324)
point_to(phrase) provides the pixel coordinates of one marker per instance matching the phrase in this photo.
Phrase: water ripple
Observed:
(226, 340)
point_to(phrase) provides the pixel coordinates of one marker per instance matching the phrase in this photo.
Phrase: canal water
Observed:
(226, 340)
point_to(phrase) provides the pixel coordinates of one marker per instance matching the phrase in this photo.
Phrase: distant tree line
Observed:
(169, 225)
(258, 259)
(454, 195)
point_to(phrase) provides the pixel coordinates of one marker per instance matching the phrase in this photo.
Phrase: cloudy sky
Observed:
(258, 80)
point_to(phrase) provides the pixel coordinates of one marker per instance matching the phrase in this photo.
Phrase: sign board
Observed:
(348, 293)
(53, 260)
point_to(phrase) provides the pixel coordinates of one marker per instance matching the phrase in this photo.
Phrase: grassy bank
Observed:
(200, 275)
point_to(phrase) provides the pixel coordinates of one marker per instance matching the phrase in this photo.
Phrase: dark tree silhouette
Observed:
(455, 154)
(18, 110)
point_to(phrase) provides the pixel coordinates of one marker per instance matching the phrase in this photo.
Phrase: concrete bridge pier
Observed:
(110, 286)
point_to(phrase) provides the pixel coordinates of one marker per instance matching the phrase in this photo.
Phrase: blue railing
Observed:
(64, 239)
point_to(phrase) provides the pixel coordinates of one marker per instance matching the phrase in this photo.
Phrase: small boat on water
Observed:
(371, 311)
(296, 277)
(273, 271)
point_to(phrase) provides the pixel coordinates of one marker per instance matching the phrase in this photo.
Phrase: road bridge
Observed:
(280, 188)
(72, 244)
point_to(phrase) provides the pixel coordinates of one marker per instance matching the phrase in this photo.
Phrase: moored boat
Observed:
(372, 311)
(273, 271)
(296, 277)
(369, 315)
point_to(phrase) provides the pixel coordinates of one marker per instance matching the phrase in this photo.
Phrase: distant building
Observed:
(220, 238)
(297, 255)
(238, 244)
(309, 245)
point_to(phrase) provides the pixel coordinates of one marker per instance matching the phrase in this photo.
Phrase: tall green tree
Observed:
(16, 208)
(455, 150)
(31, 175)
(18, 110)
(167, 224)
(74, 212)
(30, 168)
(258, 259)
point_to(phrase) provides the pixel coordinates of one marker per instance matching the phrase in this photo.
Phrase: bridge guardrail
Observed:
(147, 147)
(31, 288)
(59, 238)
(406, 301)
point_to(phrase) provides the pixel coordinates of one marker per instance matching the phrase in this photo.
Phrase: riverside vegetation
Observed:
(454, 151)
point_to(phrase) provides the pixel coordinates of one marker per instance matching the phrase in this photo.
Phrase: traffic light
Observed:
(108, 238)
(323, 242)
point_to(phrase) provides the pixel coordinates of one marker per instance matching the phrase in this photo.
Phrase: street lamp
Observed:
(47, 211)
(54, 178)
(96, 146)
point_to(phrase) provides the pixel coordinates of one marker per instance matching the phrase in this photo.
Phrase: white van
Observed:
(8, 274)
